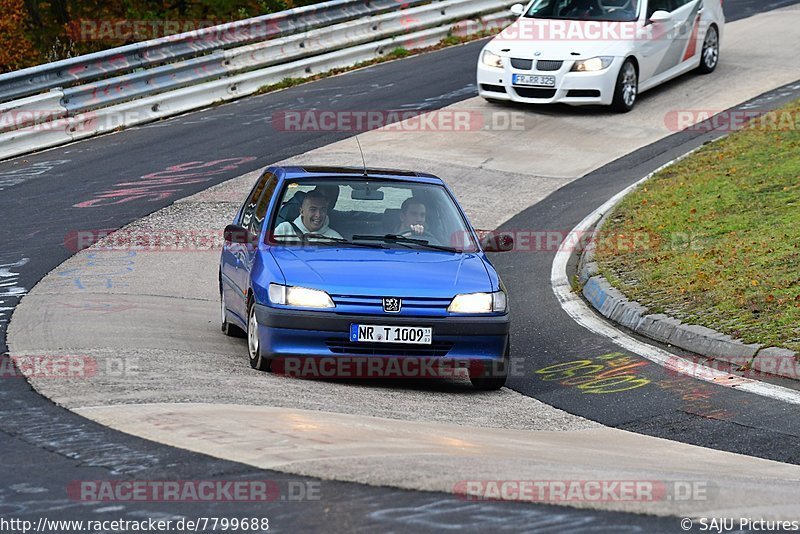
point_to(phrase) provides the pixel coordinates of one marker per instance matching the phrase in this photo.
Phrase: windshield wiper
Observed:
(332, 239)
(403, 240)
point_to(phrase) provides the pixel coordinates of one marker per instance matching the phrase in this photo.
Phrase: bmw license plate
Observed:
(370, 333)
(533, 79)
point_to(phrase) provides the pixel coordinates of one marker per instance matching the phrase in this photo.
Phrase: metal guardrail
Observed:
(145, 54)
(218, 71)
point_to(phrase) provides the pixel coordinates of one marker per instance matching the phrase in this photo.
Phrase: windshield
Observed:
(603, 10)
(369, 213)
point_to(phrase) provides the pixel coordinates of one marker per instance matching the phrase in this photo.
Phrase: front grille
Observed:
(424, 305)
(529, 92)
(548, 65)
(345, 346)
(493, 88)
(583, 93)
(521, 64)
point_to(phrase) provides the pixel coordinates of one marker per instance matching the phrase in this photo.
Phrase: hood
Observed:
(389, 272)
(565, 40)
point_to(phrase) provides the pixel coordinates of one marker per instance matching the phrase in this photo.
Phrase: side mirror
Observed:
(497, 242)
(236, 234)
(517, 10)
(660, 16)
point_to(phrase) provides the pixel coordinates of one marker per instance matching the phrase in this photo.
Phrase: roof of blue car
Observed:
(309, 171)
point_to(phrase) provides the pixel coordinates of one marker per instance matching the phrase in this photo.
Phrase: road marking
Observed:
(580, 312)
(617, 374)
(10, 291)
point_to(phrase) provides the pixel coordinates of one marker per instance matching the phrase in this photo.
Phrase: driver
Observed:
(313, 218)
(580, 9)
(412, 218)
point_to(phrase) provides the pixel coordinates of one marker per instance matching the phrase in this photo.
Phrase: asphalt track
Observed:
(46, 447)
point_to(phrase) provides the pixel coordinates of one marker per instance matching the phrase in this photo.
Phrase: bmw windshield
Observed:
(370, 213)
(599, 10)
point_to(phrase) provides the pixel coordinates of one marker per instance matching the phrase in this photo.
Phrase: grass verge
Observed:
(714, 240)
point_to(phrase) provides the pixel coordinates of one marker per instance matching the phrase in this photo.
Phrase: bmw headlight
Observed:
(593, 65)
(490, 59)
(479, 303)
(301, 297)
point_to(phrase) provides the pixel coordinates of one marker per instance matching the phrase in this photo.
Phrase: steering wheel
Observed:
(425, 235)
(610, 9)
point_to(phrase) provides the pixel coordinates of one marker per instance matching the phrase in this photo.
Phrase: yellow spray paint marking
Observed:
(609, 373)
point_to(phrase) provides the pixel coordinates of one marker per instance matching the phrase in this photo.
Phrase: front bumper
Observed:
(293, 333)
(574, 88)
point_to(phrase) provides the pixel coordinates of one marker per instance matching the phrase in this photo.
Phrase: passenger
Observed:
(313, 219)
(291, 209)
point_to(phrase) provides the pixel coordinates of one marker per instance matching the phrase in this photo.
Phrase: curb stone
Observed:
(615, 306)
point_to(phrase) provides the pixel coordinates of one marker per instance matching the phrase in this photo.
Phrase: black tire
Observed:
(709, 57)
(493, 376)
(227, 328)
(627, 88)
(257, 359)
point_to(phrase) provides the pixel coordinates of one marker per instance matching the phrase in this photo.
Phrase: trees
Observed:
(36, 31)
(16, 51)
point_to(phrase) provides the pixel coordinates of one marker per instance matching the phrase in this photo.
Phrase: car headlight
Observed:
(479, 303)
(593, 65)
(490, 59)
(302, 297)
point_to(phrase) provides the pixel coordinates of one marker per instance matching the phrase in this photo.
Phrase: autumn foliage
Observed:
(34, 32)
(16, 51)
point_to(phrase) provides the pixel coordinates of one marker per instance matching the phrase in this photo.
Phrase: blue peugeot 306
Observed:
(338, 263)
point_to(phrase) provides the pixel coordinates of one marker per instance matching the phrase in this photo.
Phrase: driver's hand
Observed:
(417, 228)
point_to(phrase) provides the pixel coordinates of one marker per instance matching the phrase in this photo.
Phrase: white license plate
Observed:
(371, 333)
(533, 79)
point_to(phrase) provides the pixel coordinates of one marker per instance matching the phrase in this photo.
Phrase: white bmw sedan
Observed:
(598, 51)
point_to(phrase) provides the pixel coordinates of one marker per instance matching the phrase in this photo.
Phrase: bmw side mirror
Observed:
(236, 234)
(660, 16)
(517, 9)
(497, 243)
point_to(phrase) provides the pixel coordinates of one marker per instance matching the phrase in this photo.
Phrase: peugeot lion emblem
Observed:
(391, 305)
(537, 54)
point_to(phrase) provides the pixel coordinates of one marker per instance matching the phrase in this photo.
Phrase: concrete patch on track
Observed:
(450, 458)
(134, 333)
